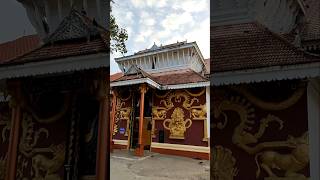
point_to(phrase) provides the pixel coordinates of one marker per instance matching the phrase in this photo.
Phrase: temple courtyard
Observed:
(154, 166)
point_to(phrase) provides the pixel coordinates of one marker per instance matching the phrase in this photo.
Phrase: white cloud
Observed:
(147, 19)
(138, 3)
(176, 21)
(192, 5)
(163, 22)
(149, 3)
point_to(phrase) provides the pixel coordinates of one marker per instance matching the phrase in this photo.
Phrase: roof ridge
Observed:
(297, 49)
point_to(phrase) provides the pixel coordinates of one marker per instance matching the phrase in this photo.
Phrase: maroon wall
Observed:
(193, 135)
(295, 123)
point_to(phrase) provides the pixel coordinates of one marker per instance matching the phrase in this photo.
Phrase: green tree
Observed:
(118, 35)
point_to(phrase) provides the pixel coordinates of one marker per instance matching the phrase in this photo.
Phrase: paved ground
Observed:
(157, 167)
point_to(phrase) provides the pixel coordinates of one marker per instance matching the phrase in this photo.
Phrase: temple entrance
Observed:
(134, 121)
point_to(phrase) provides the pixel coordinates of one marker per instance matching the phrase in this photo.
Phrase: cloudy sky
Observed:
(162, 22)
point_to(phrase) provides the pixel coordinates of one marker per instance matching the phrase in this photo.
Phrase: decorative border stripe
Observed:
(120, 142)
(180, 147)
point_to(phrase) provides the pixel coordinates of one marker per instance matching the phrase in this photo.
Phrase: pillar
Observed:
(102, 161)
(208, 113)
(15, 104)
(313, 91)
(113, 116)
(140, 148)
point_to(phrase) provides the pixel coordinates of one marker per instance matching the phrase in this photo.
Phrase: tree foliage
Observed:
(118, 35)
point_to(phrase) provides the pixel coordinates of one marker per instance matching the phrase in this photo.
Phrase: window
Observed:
(154, 63)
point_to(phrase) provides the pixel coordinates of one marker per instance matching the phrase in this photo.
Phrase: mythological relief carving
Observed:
(241, 135)
(290, 164)
(223, 164)
(47, 161)
(3, 161)
(271, 105)
(47, 168)
(199, 112)
(6, 123)
(188, 99)
(29, 136)
(159, 112)
(177, 124)
(177, 96)
(122, 113)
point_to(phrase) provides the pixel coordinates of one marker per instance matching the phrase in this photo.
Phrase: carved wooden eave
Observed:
(275, 73)
(78, 63)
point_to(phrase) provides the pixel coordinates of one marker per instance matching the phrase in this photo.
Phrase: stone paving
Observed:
(154, 166)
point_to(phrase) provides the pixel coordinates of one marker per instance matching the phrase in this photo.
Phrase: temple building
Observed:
(160, 101)
(54, 94)
(265, 77)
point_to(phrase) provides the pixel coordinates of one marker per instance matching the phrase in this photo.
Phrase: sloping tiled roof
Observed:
(76, 35)
(13, 49)
(312, 27)
(63, 50)
(249, 46)
(138, 74)
(178, 77)
(164, 78)
(115, 76)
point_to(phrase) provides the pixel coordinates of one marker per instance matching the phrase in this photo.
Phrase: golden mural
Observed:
(5, 131)
(270, 105)
(291, 163)
(177, 125)
(122, 113)
(223, 164)
(3, 167)
(44, 167)
(242, 137)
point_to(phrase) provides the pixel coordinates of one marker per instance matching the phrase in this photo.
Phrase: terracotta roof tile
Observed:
(251, 45)
(13, 49)
(167, 78)
(178, 77)
(61, 50)
(115, 76)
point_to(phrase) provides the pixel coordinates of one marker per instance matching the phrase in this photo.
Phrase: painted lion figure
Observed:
(199, 113)
(46, 168)
(159, 113)
(291, 163)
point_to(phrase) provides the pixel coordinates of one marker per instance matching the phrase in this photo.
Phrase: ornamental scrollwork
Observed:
(3, 167)
(29, 137)
(271, 105)
(122, 113)
(177, 97)
(177, 125)
(223, 166)
(45, 161)
(159, 112)
(199, 112)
